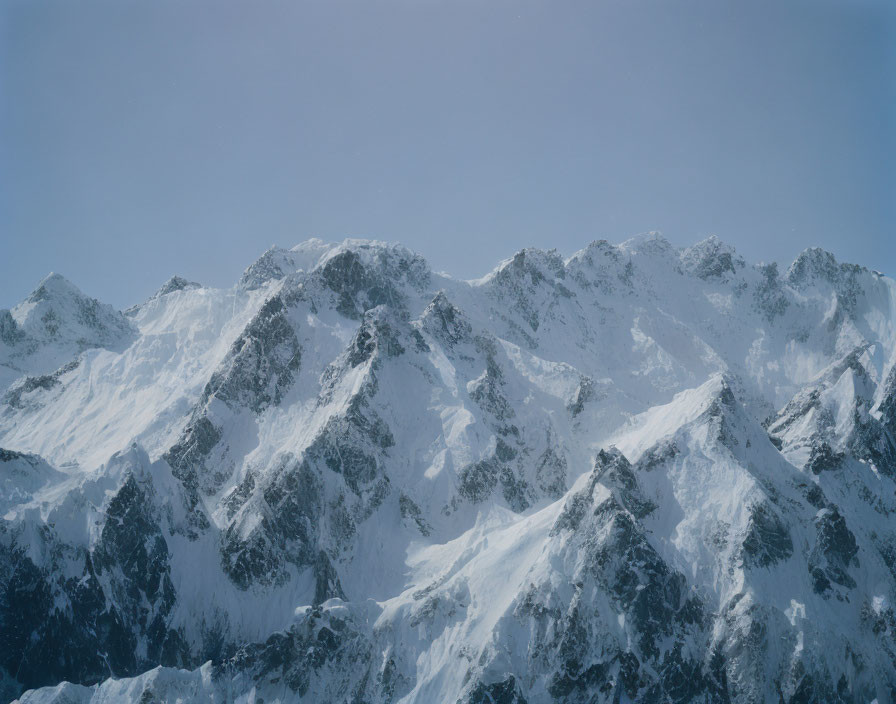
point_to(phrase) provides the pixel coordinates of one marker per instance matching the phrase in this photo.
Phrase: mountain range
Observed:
(636, 474)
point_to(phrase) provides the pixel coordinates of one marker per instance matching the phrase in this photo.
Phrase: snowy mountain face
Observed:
(637, 474)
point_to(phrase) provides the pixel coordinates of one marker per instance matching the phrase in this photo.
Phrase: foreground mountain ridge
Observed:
(635, 474)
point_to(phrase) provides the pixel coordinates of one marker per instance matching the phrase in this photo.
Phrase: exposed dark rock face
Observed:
(504, 692)
(551, 471)
(10, 333)
(133, 549)
(298, 515)
(834, 552)
(585, 392)
(570, 646)
(487, 389)
(770, 297)
(288, 517)
(768, 540)
(887, 406)
(376, 334)
(603, 270)
(526, 289)
(260, 367)
(39, 649)
(199, 439)
(518, 467)
(411, 511)
(14, 397)
(262, 362)
(116, 594)
(657, 456)
(816, 266)
(360, 286)
(478, 480)
(713, 260)
(326, 655)
(614, 471)
(292, 504)
(274, 265)
(823, 458)
(446, 322)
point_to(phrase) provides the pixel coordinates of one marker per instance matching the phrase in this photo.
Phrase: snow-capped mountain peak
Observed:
(712, 259)
(54, 324)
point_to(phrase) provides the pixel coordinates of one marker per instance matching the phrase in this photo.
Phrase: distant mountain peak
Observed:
(651, 243)
(55, 322)
(274, 264)
(54, 286)
(175, 283)
(712, 259)
(817, 264)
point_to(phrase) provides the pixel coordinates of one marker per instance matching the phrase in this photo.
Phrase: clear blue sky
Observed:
(142, 139)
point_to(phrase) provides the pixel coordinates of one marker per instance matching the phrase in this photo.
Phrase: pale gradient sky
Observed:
(142, 139)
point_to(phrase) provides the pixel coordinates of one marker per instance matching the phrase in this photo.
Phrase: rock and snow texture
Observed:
(637, 474)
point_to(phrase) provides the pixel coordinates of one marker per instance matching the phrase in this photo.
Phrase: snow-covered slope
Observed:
(636, 474)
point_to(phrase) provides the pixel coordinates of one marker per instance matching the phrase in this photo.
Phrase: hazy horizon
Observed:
(142, 140)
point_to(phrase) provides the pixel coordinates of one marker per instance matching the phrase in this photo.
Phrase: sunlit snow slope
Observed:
(639, 474)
